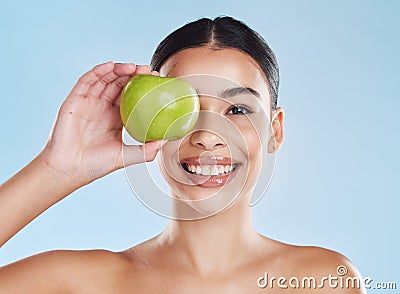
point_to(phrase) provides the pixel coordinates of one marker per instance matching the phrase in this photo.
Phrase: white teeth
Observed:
(206, 171)
(214, 170)
(210, 170)
(221, 169)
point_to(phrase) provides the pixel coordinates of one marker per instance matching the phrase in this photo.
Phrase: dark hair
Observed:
(222, 32)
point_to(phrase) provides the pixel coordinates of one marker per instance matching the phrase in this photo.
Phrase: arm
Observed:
(27, 194)
(88, 128)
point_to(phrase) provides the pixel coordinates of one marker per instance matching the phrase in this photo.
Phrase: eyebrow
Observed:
(228, 93)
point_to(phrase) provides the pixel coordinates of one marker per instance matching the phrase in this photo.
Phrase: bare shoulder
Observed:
(66, 271)
(329, 268)
(313, 259)
(332, 270)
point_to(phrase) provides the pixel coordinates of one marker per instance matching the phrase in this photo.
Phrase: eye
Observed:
(239, 109)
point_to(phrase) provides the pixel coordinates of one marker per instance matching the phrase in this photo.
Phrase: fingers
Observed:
(112, 91)
(143, 69)
(134, 154)
(99, 86)
(88, 79)
(94, 81)
(123, 69)
(105, 81)
(119, 70)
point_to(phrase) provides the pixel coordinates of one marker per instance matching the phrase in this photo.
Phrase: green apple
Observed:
(154, 108)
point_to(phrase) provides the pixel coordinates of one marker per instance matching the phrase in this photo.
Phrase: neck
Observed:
(214, 243)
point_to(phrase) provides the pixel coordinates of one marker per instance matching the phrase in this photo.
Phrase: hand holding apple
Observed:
(155, 108)
(85, 142)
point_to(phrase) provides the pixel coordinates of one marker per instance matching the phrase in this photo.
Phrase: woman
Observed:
(220, 253)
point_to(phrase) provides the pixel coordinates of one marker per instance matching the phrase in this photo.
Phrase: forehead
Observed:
(223, 69)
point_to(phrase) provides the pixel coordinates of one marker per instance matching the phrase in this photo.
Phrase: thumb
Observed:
(134, 154)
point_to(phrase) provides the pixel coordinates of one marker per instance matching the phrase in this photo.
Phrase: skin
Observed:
(219, 254)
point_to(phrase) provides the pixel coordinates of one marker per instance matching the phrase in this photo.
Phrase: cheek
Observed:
(164, 165)
(253, 144)
(161, 166)
(254, 134)
(255, 156)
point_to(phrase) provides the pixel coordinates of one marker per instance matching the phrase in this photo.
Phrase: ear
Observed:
(277, 133)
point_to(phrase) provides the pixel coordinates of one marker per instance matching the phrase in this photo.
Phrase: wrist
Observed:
(60, 183)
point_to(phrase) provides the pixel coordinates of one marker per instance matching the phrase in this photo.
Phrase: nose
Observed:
(206, 140)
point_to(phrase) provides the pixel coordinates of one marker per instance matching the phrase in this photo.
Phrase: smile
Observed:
(209, 171)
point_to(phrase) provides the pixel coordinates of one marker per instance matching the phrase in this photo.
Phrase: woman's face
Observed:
(222, 157)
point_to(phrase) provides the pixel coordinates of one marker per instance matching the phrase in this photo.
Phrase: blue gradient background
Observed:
(337, 174)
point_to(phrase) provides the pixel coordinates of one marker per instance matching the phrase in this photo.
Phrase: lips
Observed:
(209, 171)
